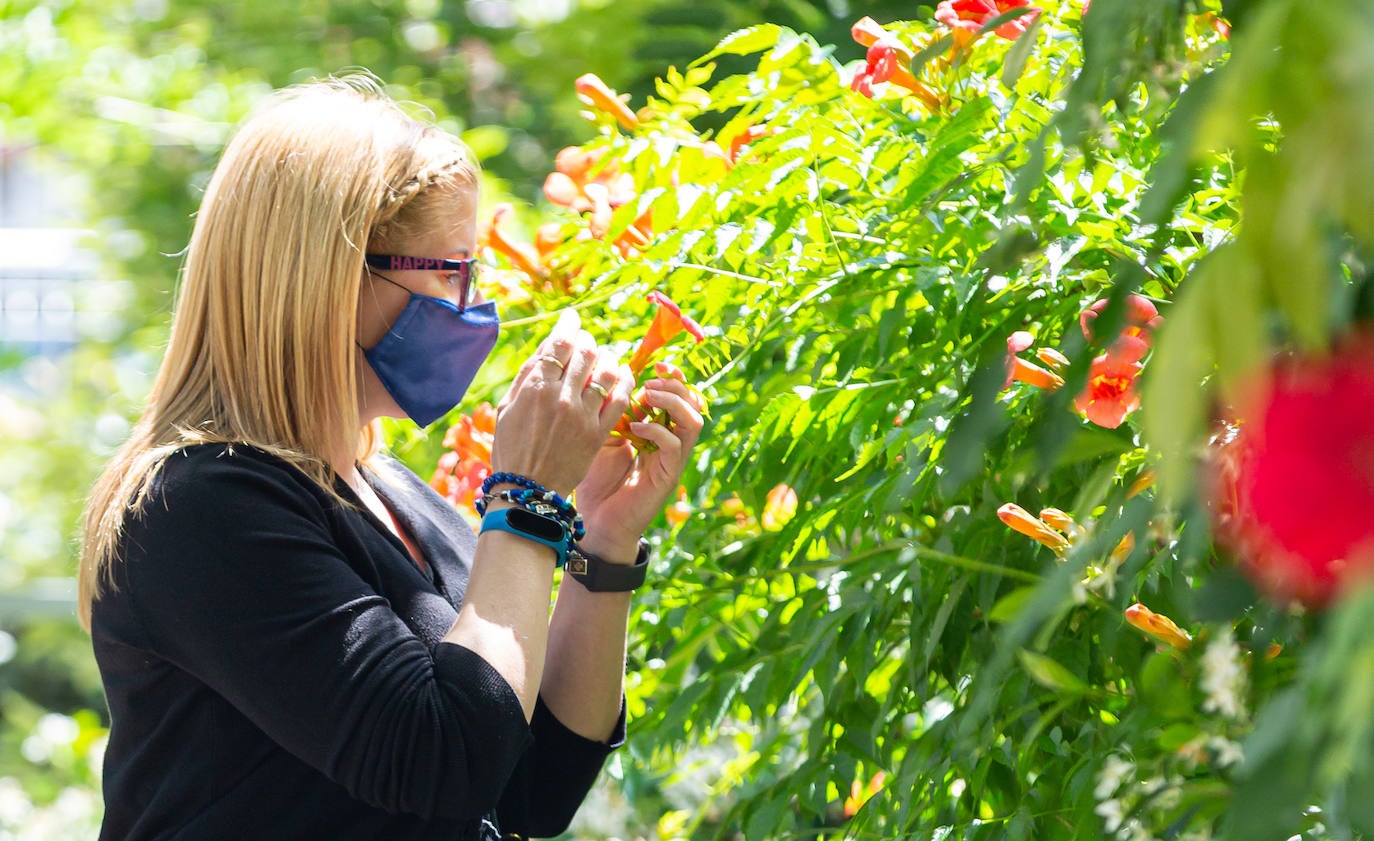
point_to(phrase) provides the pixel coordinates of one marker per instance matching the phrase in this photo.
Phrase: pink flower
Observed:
(1293, 487)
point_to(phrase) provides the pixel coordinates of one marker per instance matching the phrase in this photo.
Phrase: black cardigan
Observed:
(274, 670)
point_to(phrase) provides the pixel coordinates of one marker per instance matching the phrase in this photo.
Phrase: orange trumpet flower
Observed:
(594, 93)
(520, 255)
(1111, 392)
(667, 324)
(1021, 371)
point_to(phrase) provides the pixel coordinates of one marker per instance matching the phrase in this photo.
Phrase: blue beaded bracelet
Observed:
(534, 497)
(516, 479)
(540, 502)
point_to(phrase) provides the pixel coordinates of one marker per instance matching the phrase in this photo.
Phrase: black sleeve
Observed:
(553, 780)
(236, 580)
(554, 776)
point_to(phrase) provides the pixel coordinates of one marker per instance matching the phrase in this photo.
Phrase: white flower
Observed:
(1133, 830)
(1223, 677)
(1227, 752)
(1114, 771)
(1112, 813)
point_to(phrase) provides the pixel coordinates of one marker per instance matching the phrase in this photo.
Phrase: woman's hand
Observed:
(622, 493)
(563, 404)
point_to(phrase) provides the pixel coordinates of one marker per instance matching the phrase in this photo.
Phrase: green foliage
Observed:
(859, 267)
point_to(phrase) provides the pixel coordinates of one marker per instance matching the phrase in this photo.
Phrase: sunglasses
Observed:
(465, 269)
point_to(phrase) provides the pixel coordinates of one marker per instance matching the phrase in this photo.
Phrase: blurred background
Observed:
(112, 114)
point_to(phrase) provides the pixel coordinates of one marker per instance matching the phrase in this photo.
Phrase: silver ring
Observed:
(600, 389)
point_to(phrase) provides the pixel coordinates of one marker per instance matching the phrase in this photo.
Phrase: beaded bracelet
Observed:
(541, 503)
(534, 497)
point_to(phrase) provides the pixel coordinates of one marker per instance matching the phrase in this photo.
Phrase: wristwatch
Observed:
(601, 576)
(531, 526)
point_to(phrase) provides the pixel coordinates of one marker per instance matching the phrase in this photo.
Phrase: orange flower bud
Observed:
(1158, 626)
(779, 508)
(678, 512)
(1123, 549)
(1032, 374)
(520, 255)
(867, 31)
(1058, 519)
(1053, 358)
(1020, 520)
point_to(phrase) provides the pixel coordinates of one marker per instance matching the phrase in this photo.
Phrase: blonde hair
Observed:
(262, 349)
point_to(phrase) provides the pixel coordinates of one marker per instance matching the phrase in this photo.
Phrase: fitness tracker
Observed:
(531, 526)
(600, 576)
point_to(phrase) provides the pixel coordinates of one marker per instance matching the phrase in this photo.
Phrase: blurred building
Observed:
(43, 261)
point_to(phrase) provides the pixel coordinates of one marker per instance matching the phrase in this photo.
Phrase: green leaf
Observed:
(745, 41)
(1014, 64)
(1050, 674)
(1010, 606)
(937, 47)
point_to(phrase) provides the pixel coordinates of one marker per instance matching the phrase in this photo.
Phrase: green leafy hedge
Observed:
(842, 620)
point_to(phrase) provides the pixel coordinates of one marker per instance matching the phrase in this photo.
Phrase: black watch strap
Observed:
(600, 576)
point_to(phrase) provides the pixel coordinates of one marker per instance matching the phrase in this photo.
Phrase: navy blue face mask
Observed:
(429, 357)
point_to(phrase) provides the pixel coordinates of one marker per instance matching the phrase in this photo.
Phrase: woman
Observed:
(298, 638)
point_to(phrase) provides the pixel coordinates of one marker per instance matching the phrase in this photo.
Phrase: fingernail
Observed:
(568, 319)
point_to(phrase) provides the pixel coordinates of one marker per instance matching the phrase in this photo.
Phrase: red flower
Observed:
(1111, 391)
(668, 322)
(1293, 488)
(888, 60)
(966, 17)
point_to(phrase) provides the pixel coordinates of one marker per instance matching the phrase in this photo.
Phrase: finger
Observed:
(669, 370)
(581, 362)
(669, 444)
(568, 323)
(619, 400)
(605, 377)
(557, 348)
(678, 407)
(677, 386)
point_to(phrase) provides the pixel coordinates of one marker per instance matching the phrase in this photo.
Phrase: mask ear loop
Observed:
(373, 274)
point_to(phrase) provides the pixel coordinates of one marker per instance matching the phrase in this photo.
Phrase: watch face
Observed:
(544, 528)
